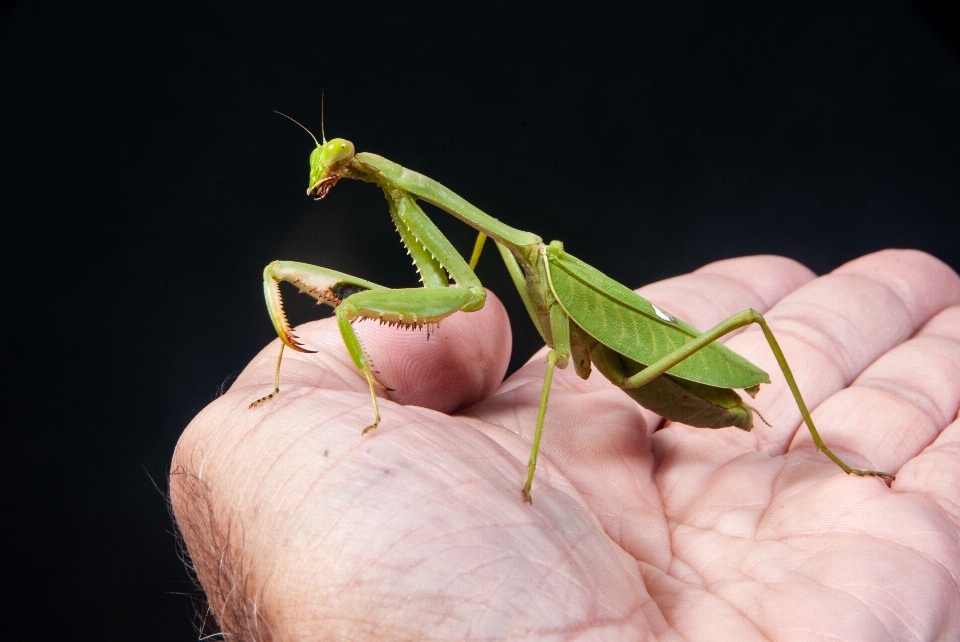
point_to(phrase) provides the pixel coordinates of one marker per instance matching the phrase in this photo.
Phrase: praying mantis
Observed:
(584, 316)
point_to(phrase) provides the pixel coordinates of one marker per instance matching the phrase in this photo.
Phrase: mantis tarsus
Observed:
(663, 363)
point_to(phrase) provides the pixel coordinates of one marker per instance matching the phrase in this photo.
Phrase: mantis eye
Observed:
(337, 152)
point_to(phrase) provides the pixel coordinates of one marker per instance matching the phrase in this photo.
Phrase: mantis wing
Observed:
(621, 319)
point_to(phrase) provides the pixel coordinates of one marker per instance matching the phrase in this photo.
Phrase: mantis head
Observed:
(326, 161)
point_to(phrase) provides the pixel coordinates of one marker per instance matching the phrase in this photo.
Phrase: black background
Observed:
(145, 184)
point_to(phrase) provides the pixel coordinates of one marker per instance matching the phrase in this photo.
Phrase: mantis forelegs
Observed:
(354, 299)
(412, 308)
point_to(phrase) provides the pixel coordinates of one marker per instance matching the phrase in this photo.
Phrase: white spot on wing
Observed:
(663, 315)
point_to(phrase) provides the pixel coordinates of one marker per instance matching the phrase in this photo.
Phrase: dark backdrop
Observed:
(145, 183)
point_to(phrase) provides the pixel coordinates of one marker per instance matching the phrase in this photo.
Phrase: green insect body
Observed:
(584, 316)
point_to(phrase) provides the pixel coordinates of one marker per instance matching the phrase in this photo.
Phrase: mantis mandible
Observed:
(583, 315)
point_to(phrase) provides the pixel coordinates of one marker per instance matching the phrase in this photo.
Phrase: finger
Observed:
(459, 363)
(911, 397)
(832, 329)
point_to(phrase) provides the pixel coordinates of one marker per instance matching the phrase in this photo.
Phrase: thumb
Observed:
(457, 364)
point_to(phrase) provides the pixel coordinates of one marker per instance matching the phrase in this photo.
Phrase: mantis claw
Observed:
(872, 473)
(292, 342)
(374, 382)
(373, 395)
(276, 383)
(262, 399)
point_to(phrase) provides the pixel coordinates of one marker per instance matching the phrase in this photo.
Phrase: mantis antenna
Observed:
(304, 128)
(322, 133)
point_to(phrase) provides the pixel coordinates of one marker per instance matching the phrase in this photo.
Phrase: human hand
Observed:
(300, 528)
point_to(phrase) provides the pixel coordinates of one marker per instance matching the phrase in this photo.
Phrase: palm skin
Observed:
(302, 529)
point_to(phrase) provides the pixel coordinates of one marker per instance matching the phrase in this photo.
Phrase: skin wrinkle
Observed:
(358, 446)
(857, 598)
(704, 564)
(717, 516)
(915, 320)
(291, 448)
(251, 436)
(775, 482)
(955, 580)
(916, 398)
(820, 342)
(766, 302)
(936, 425)
(919, 343)
(903, 292)
(927, 406)
(848, 327)
(667, 493)
(661, 578)
(678, 554)
(571, 547)
(414, 456)
(937, 321)
(255, 497)
(951, 508)
(218, 413)
(784, 396)
(878, 449)
(744, 617)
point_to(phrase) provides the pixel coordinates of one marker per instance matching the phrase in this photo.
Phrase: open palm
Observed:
(302, 529)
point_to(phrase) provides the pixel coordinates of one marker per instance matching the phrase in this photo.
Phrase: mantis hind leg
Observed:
(725, 327)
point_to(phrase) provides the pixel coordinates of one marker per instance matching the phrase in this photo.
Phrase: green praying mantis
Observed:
(584, 316)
